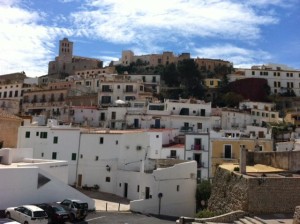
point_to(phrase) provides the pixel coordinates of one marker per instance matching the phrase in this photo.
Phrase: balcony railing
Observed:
(227, 156)
(200, 165)
(186, 129)
(106, 90)
(198, 147)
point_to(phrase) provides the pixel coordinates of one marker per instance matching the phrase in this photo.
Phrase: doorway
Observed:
(125, 190)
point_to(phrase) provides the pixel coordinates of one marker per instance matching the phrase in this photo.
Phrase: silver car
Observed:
(27, 214)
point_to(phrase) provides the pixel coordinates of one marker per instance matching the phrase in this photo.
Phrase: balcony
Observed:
(186, 129)
(106, 90)
(200, 165)
(198, 147)
(228, 156)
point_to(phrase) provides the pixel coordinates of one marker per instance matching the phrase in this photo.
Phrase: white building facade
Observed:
(126, 163)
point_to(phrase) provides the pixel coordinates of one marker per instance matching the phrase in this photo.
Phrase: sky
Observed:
(244, 32)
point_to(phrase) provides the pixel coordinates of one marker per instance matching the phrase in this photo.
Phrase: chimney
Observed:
(243, 160)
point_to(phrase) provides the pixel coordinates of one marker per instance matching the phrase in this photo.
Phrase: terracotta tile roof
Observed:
(5, 114)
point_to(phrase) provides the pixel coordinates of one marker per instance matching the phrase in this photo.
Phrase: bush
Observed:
(236, 168)
(206, 214)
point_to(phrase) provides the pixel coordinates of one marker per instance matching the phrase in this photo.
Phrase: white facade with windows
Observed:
(197, 147)
(120, 162)
(280, 78)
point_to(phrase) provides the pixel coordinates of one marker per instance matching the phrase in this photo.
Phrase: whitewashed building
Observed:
(128, 163)
(33, 181)
(197, 147)
(281, 78)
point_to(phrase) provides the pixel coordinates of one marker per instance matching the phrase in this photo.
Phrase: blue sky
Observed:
(245, 32)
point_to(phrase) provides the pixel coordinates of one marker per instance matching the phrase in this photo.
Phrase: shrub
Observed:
(236, 168)
(206, 214)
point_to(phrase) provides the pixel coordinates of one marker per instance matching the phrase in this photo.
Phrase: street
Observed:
(122, 218)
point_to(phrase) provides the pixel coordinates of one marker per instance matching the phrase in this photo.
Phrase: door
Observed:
(197, 144)
(157, 123)
(79, 180)
(197, 157)
(147, 192)
(136, 123)
(125, 190)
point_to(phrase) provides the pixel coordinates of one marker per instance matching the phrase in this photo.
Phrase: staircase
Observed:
(250, 220)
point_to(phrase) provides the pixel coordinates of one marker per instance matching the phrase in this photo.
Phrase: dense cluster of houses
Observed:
(115, 134)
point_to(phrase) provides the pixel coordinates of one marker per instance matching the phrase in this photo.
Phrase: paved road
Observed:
(122, 218)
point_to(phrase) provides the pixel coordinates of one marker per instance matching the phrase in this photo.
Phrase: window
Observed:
(138, 188)
(107, 179)
(157, 136)
(81, 156)
(199, 125)
(117, 142)
(173, 154)
(43, 135)
(42, 154)
(54, 155)
(55, 140)
(113, 115)
(27, 134)
(73, 156)
(96, 158)
(253, 72)
(101, 140)
(177, 188)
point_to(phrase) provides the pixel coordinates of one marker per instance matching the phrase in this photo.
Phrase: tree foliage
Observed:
(203, 193)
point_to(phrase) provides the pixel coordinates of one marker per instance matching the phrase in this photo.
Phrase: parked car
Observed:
(8, 221)
(27, 214)
(56, 212)
(77, 209)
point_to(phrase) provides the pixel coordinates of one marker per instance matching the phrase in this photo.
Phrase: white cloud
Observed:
(155, 20)
(241, 57)
(25, 45)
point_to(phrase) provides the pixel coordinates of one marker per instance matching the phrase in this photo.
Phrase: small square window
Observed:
(107, 179)
(55, 140)
(54, 155)
(157, 136)
(27, 134)
(37, 133)
(73, 156)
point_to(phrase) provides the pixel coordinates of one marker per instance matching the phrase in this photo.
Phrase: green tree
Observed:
(170, 75)
(232, 99)
(203, 194)
(191, 78)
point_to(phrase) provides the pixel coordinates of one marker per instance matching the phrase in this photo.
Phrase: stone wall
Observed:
(288, 160)
(229, 192)
(273, 195)
(9, 132)
(232, 191)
